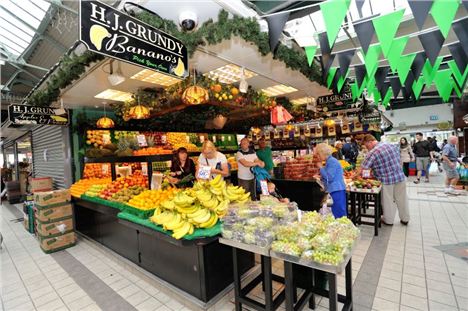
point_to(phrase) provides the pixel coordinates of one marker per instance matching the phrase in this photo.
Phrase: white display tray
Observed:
(265, 251)
(316, 265)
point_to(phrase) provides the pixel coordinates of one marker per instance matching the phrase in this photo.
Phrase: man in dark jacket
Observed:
(422, 150)
(350, 151)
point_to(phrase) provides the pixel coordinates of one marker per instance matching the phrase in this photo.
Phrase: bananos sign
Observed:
(110, 32)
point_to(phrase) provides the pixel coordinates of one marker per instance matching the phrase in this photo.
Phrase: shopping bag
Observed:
(433, 168)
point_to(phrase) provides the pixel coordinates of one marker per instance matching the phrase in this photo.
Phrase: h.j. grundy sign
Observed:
(110, 32)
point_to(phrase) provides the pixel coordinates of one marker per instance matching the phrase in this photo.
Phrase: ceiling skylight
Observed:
(116, 95)
(151, 76)
(229, 74)
(19, 21)
(279, 89)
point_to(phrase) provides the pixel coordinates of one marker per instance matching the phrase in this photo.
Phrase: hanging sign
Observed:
(110, 32)
(23, 114)
(335, 102)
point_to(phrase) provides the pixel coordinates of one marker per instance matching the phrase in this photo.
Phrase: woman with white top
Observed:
(214, 159)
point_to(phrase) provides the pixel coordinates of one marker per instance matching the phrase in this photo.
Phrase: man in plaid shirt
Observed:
(384, 160)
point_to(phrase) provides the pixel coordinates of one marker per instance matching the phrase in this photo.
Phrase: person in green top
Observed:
(264, 154)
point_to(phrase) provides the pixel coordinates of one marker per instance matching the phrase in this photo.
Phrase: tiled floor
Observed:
(413, 269)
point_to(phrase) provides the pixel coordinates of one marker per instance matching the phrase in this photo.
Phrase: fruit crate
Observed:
(161, 166)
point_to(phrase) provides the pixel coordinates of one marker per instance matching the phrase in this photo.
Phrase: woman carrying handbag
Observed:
(406, 155)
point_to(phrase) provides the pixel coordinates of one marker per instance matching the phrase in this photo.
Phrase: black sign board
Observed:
(110, 32)
(23, 114)
(335, 102)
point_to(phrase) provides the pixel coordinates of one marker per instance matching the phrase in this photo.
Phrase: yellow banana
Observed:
(196, 214)
(192, 229)
(215, 180)
(181, 231)
(203, 218)
(210, 222)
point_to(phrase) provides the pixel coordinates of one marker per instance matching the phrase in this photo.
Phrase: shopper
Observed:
(265, 155)
(214, 159)
(422, 151)
(350, 151)
(436, 153)
(274, 193)
(450, 159)
(182, 166)
(331, 176)
(406, 155)
(338, 154)
(246, 159)
(384, 160)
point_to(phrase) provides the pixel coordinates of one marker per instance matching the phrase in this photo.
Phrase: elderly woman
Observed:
(214, 159)
(338, 154)
(332, 177)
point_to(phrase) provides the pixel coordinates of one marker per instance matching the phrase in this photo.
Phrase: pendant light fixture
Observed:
(105, 122)
(116, 77)
(243, 85)
(195, 95)
(139, 111)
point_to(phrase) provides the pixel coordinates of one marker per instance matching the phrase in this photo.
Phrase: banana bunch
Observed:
(173, 221)
(236, 194)
(203, 218)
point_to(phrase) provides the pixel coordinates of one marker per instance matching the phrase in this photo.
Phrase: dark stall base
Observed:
(201, 268)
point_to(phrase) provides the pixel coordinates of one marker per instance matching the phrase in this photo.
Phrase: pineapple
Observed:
(123, 148)
(150, 141)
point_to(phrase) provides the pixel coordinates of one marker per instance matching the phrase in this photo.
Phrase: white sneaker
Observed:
(447, 190)
(453, 192)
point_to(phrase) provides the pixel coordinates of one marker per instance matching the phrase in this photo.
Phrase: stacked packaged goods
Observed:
(54, 220)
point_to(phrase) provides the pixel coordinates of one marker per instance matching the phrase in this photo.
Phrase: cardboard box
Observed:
(55, 228)
(52, 197)
(53, 213)
(41, 184)
(57, 243)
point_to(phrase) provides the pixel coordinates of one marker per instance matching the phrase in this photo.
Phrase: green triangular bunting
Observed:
(310, 53)
(331, 76)
(387, 97)
(396, 49)
(371, 60)
(386, 27)
(377, 97)
(457, 91)
(429, 71)
(443, 12)
(370, 84)
(417, 87)
(461, 79)
(404, 66)
(443, 83)
(354, 90)
(363, 86)
(334, 12)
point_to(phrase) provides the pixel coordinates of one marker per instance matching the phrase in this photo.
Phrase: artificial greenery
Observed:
(70, 69)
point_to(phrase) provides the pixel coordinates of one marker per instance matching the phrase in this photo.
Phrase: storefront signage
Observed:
(23, 114)
(110, 32)
(335, 102)
(433, 118)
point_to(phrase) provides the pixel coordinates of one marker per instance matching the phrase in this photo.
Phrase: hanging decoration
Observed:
(372, 59)
(460, 78)
(418, 64)
(456, 49)
(310, 53)
(105, 122)
(420, 9)
(417, 88)
(386, 27)
(279, 115)
(443, 12)
(334, 12)
(276, 24)
(380, 76)
(396, 86)
(429, 71)
(365, 32)
(195, 95)
(404, 66)
(432, 43)
(139, 111)
(396, 50)
(461, 30)
(344, 59)
(443, 84)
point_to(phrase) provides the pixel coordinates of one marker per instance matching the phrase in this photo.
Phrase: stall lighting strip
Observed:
(279, 89)
(116, 95)
(150, 76)
(229, 74)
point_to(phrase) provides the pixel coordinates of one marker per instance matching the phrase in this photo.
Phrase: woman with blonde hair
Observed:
(214, 159)
(331, 176)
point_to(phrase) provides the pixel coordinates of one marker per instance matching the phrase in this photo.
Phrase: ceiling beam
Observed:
(59, 4)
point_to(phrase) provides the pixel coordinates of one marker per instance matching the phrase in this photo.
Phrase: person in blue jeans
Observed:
(331, 176)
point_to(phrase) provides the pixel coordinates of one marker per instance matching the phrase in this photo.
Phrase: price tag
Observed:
(142, 140)
(264, 187)
(105, 169)
(366, 173)
(297, 132)
(187, 138)
(163, 139)
(204, 172)
(106, 139)
(223, 138)
(285, 134)
(213, 138)
(229, 138)
(144, 168)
